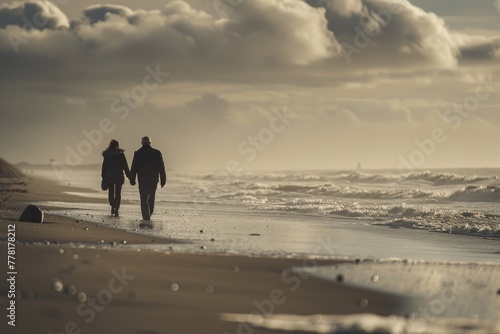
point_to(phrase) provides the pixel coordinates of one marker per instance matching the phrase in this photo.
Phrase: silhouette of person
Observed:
(148, 165)
(113, 166)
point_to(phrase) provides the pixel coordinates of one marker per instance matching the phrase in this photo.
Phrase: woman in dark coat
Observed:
(113, 166)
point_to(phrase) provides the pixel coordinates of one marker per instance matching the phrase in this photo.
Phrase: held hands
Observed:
(163, 183)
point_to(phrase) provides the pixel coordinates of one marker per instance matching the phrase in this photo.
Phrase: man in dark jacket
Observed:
(148, 165)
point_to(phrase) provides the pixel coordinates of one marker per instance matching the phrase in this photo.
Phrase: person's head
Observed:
(113, 144)
(146, 140)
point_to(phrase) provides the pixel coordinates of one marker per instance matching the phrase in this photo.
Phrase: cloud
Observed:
(115, 43)
(210, 105)
(38, 15)
(283, 29)
(98, 13)
(262, 41)
(478, 48)
(481, 51)
(344, 8)
(380, 28)
(263, 32)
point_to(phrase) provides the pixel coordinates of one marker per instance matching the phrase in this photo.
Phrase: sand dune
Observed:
(8, 170)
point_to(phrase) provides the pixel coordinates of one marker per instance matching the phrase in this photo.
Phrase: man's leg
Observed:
(144, 193)
(152, 196)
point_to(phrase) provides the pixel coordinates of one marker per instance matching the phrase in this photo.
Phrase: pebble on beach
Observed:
(209, 289)
(28, 295)
(340, 278)
(134, 295)
(71, 290)
(58, 285)
(363, 303)
(82, 297)
(375, 278)
(174, 287)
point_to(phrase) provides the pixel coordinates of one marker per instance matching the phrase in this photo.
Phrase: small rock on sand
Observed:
(58, 286)
(28, 295)
(71, 290)
(82, 297)
(31, 214)
(134, 295)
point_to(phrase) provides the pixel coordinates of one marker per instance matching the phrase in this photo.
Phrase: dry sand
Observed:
(126, 289)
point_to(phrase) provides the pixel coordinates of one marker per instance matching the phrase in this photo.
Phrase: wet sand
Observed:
(69, 281)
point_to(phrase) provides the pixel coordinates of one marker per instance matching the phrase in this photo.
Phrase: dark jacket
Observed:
(113, 166)
(149, 166)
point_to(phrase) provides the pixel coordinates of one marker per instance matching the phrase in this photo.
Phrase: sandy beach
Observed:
(79, 276)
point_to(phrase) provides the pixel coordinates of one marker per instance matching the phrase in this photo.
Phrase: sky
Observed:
(253, 84)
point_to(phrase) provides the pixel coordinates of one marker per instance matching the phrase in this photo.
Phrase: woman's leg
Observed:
(111, 196)
(118, 197)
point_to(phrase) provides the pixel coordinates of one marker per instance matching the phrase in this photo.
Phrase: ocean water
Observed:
(460, 202)
(440, 215)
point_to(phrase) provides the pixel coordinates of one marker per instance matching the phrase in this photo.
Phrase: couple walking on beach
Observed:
(147, 165)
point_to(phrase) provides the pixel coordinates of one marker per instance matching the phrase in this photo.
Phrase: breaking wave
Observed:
(426, 177)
